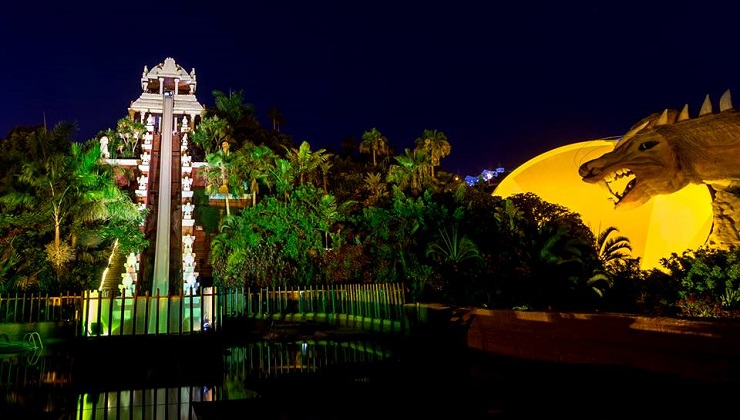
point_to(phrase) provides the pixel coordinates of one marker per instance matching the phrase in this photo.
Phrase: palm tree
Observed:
(374, 142)
(434, 143)
(409, 171)
(211, 133)
(276, 117)
(130, 132)
(222, 175)
(231, 106)
(612, 250)
(74, 191)
(325, 166)
(554, 259)
(453, 249)
(258, 161)
(376, 188)
(283, 175)
(305, 161)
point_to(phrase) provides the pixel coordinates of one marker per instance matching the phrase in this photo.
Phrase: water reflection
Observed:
(160, 403)
(36, 385)
(336, 379)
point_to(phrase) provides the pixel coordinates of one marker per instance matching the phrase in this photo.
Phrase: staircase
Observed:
(201, 248)
(201, 245)
(115, 268)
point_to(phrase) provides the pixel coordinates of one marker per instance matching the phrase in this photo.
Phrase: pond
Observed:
(328, 377)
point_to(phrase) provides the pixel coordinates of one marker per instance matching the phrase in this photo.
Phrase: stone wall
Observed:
(693, 349)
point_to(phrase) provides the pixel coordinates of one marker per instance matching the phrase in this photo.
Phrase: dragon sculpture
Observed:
(667, 151)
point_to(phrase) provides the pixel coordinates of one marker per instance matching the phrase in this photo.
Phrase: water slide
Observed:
(161, 281)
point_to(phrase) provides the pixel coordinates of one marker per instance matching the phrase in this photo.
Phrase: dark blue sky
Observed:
(505, 82)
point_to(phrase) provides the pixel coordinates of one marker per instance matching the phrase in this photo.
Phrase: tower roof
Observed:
(168, 78)
(168, 69)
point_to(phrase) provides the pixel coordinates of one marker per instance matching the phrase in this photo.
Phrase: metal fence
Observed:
(377, 301)
(25, 308)
(104, 314)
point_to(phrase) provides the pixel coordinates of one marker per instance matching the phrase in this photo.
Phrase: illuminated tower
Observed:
(169, 110)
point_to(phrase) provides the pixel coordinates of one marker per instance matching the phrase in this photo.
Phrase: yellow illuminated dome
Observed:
(665, 224)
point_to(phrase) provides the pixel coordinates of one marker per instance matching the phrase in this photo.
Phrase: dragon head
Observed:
(636, 170)
(658, 155)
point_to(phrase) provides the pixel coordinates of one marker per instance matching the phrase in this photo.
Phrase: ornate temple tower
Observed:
(169, 109)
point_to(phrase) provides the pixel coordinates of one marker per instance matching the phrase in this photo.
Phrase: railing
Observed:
(107, 314)
(39, 308)
(378, 301)
(143, 315)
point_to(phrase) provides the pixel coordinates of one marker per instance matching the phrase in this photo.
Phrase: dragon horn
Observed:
(663, 119)
(667, 117)
(725, 102)
(684, 115)
(706, 107)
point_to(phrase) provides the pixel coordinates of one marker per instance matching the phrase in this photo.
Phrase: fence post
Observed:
(135, 299)
(156, 317)
(181, 312)
(123, 311)
(23, 308)
(110, 313)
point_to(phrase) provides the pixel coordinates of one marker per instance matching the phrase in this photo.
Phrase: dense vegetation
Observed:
(361, 214)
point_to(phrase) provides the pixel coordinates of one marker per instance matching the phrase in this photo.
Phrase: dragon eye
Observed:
(647, 145)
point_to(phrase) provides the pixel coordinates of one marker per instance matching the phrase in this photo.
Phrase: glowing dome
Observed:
(665, 224)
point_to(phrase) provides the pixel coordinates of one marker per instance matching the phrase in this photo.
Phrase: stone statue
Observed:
(184, 144)
(145, 157)
(132, 263)
(104, 153)
(184, 127)
(187, 241)
(144, 81)
(188, 261)
(187, 210)
(127, 284)
(667, 151)
(143, 181)
(186, 182)
(185, 159)
(190, 283)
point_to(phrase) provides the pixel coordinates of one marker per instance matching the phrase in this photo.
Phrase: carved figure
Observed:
(185, 125)
(104, 153)
(188, 260)
(143, 181)
(132, 263)
(185, 160)
(145, 157)
(187, 241)
(186, 182)
(190, 283)
(667, 151)
(144, 81)
(187, 210)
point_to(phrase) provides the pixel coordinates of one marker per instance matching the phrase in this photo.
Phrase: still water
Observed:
(332, 379)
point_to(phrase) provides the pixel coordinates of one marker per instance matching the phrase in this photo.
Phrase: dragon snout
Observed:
(585, 171)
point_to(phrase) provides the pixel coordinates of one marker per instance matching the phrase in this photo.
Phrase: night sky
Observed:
(505, 82)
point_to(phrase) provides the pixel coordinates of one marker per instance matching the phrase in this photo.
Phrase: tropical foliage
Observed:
(317, 217)
(60, 217)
